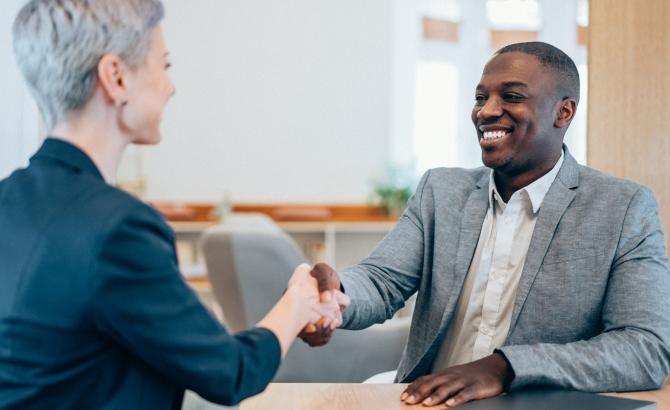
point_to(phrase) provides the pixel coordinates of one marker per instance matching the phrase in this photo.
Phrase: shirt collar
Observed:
(536, 191)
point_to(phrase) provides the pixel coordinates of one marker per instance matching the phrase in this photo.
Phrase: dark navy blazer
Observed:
(93, 310)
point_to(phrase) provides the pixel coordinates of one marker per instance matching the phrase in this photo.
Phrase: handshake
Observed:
(325, 302)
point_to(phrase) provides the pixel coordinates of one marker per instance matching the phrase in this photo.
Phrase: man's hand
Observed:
(329, 286)
(480, 379)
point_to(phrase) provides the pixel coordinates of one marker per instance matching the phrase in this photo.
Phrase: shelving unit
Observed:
(340, 244)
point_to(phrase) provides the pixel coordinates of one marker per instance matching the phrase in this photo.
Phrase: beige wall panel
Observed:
(629, 93)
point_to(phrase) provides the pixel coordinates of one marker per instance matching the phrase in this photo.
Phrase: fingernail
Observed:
(451, 402)
(411, 399)
(403, 396)
(428, 401)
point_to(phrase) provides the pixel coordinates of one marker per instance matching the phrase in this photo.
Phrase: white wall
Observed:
(19, 133)
(277, 101)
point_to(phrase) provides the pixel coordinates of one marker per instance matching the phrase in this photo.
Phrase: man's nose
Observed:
(491, 109)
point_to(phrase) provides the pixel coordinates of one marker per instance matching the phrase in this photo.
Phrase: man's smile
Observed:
(492, 134)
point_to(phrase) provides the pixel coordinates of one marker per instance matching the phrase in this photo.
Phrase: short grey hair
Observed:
(59, 43)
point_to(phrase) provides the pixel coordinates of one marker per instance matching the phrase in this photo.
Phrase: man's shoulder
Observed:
(607, 186)
(449, 178)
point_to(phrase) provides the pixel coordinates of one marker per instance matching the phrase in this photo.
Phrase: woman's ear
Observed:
(566, 112)
(112, 79)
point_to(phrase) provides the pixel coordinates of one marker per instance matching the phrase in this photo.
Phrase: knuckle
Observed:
(420, 380)
(424, 389)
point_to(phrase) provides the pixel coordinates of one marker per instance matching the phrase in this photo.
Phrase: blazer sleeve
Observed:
(632, 352)
(142, 303)
(382, 282)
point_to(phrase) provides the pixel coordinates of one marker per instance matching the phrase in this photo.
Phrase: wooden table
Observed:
(312, 396)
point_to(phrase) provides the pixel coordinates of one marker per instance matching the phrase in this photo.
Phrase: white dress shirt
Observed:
(484, 311)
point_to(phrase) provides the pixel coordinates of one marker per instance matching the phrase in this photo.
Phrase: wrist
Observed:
(294, 313)
(505, 369)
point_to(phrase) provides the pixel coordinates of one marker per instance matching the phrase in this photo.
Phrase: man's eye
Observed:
(480, 99)
(513, 97)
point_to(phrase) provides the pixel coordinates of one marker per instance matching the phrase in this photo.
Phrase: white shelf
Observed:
(339, 244)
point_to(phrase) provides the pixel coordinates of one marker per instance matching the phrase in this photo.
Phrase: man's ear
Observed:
(566, 112)
(112, 79)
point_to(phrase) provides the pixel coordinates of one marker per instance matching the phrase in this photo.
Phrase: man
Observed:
(535, 271)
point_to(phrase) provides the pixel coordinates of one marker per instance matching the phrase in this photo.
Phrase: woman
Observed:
(93, 310)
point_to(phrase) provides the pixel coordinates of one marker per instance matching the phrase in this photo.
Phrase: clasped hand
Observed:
(324, 305)
(318, 333)
(483, 378)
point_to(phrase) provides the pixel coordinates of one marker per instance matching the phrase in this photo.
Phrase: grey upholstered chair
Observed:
(249, 261)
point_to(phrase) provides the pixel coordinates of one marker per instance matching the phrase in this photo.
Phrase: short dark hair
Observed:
(555, 59)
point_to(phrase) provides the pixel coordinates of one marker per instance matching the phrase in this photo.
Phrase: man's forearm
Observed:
(619, 360)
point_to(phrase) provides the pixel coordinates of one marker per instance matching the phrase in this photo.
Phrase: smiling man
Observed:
(532, 270)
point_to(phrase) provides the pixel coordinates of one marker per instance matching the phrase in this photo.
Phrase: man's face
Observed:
(516, 105)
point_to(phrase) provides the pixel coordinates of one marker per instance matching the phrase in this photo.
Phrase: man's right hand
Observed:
(329, 285)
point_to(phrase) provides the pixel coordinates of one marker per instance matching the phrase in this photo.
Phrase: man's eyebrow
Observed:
(506, 84)
(511, 84)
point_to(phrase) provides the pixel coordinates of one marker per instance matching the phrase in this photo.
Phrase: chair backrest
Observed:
(249, 261)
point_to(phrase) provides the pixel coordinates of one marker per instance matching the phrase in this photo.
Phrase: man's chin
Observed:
(494, 161)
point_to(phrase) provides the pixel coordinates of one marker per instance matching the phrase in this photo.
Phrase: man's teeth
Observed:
(492, 135)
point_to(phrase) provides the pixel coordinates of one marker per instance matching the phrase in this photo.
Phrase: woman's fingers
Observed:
(301, 272)
(342, 300)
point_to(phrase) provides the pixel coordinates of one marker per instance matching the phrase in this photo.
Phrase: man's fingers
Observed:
(441, 394)
(310, 328)
(424, 387)
(315, 339)
(468, 394)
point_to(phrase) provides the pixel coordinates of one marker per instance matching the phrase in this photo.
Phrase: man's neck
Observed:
(508, 183)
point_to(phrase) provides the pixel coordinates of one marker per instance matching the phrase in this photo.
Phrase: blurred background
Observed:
(305, 101)
(300, 128)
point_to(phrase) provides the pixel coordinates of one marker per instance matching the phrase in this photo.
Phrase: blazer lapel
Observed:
(471, 226)
(555, 203)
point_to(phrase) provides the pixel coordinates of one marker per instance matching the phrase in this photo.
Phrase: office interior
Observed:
(309, 122)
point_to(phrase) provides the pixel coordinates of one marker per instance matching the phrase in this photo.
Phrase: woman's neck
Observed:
(103, 144)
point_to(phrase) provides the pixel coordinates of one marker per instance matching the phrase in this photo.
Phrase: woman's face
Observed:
(149, 88)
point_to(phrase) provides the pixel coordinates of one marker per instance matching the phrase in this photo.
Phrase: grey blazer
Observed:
(592, 309)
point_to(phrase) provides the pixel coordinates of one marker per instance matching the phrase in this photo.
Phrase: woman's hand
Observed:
(301, 305)
(329, 284)
(315, 308)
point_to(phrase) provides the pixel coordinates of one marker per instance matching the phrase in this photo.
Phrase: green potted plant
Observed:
(393, 191)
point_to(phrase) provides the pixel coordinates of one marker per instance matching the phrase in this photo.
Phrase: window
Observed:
(513, 14)
(447, 70)
(436, 122)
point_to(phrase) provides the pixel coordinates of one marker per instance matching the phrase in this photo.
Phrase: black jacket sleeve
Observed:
(142, 302)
